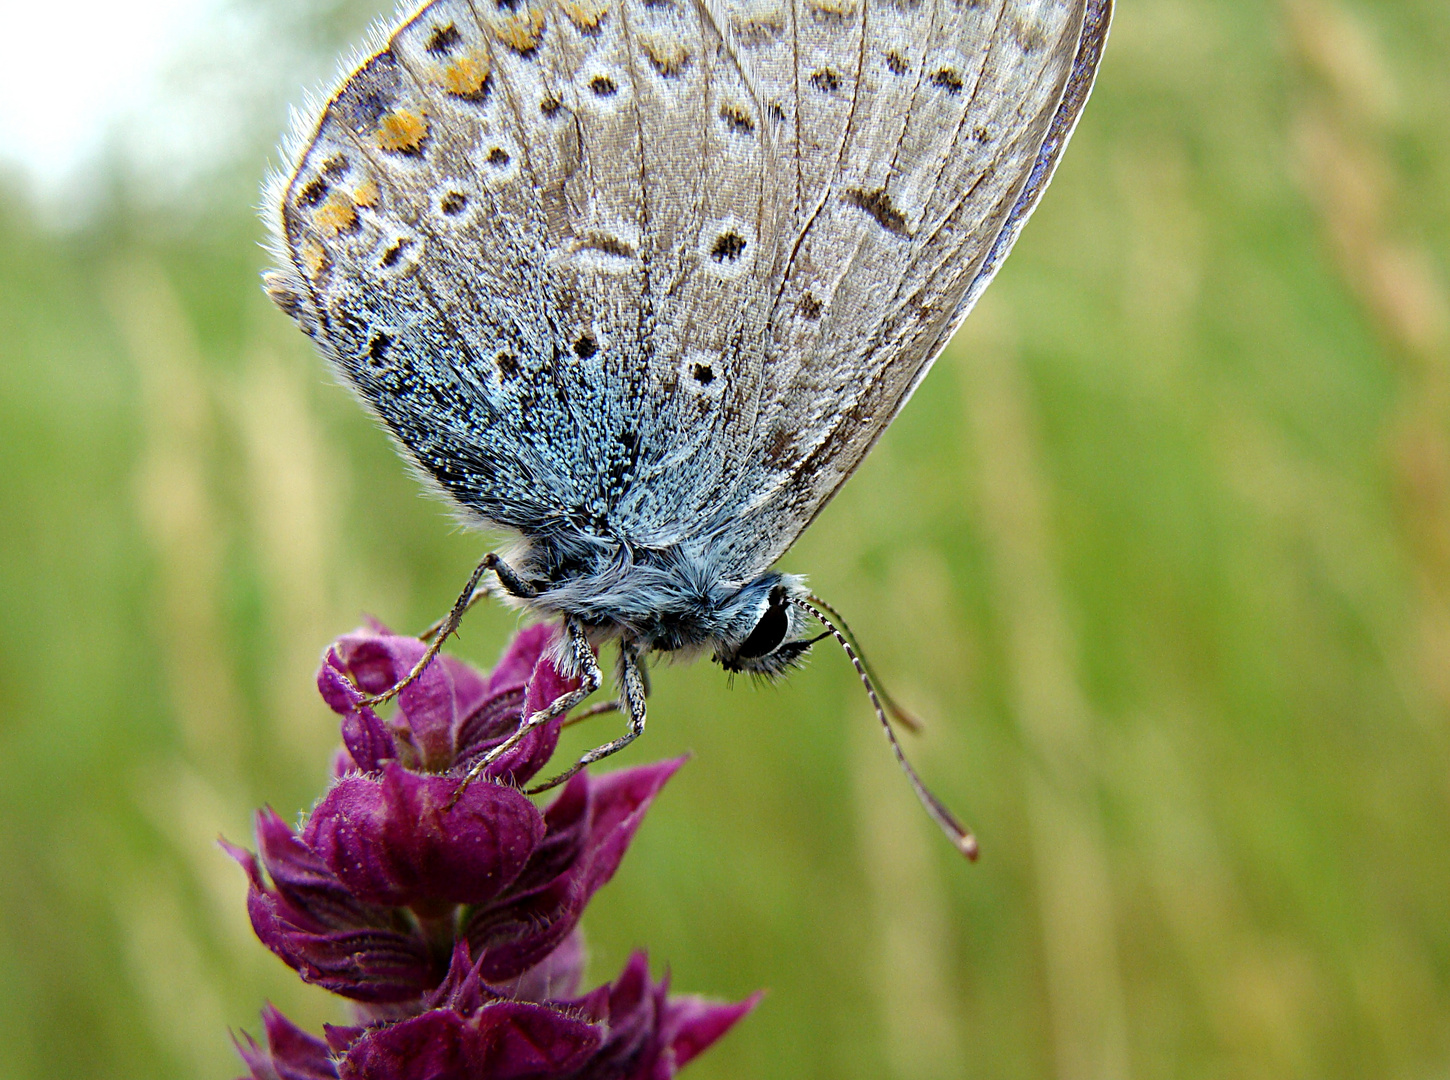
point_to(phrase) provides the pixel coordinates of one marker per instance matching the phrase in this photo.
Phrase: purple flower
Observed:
(451, 715)
(650, 1035)
(588, 828)
(628, 1030)
(450, 918)
(367, 900)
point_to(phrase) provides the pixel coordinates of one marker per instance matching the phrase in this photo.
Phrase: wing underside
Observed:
(912, 238)
(636, 269)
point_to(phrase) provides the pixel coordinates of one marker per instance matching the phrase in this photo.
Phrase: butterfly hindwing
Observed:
(929, 180)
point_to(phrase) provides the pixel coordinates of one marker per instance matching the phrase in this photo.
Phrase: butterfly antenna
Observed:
(896, 712)
(960, 836)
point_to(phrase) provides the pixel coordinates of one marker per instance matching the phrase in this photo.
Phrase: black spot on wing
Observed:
(394, 253)
(728, 247)
(879, 205)
(443, 39)
(826, 80)
(313, 193)
(948, 80)
(378, 347)
(737, 119)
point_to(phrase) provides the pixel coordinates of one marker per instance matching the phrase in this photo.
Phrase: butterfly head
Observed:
(769, 638)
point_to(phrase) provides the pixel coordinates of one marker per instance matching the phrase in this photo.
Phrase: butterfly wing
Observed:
(641, 269)
(924, 134)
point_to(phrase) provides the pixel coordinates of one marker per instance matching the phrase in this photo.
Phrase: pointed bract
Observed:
(291, 1053)
(590, 825)
(451, 714)
(504, 1040)
(630, 1029)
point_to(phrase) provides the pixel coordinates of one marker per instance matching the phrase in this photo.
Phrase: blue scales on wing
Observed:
(530, 236)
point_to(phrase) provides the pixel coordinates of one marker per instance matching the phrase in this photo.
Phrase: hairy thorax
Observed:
(661, 600)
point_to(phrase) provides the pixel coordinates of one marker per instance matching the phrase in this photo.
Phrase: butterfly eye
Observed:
(770, 631)
(768, 649)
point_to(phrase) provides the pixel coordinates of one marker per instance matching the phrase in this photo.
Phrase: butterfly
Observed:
(639, 283)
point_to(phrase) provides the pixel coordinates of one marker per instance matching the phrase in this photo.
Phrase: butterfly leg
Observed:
(602, 707)
(591, 678)
(441, 630)
(597, 709)
(614, 705)
(633, 686)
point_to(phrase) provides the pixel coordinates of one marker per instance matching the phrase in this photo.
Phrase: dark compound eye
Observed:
(770, 631)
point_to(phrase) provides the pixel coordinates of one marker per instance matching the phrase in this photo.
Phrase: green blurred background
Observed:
(1161, 551)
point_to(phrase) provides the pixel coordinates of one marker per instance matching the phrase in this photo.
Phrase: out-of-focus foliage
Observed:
(1161, 551)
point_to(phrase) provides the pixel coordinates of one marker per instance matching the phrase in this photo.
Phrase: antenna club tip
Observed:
(967, 845)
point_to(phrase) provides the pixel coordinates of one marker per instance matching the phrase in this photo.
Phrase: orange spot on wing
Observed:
(521, 31)
(336, 215)
(466, 76)
(401, 131)
(584, 14)
(668, 56)
(366, 194)
(760, 29)
(314, 256)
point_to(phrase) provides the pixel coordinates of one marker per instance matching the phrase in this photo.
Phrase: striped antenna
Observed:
(893, 710)
(960, 836)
